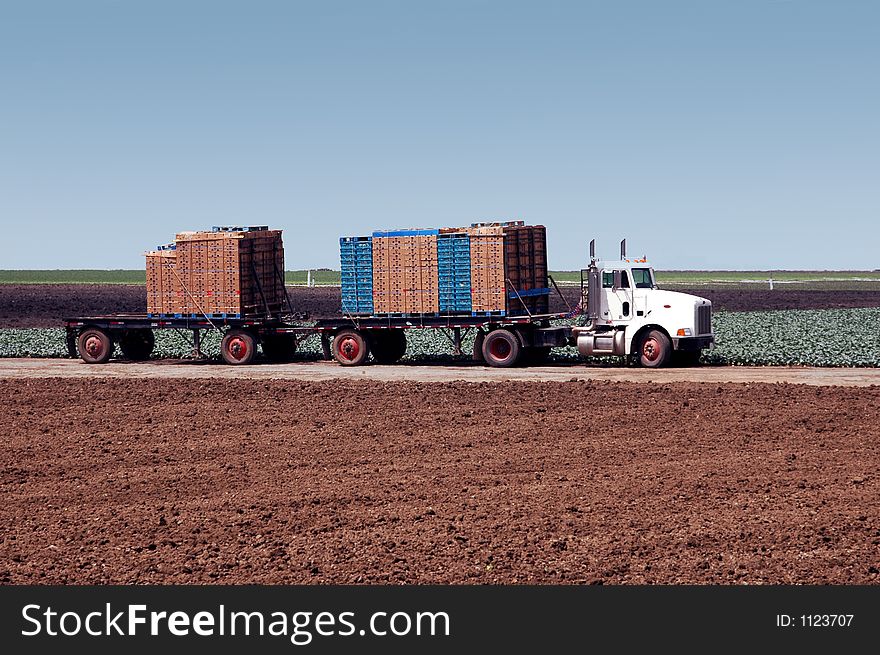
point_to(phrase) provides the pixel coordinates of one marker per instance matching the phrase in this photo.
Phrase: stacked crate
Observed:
(405, 275)
(356, 255)
(525, 257)
(162, 285)
(454, 271)
(228, 272)
(488, 269)
(488, 286)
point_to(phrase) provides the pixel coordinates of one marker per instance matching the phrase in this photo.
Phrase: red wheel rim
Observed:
(94, 346)
(500, 349)
(237, 348)
(349, 349)
(651, 349)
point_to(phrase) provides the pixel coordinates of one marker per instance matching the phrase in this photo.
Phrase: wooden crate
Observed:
(238, 273)
(405, 278)
(162, 284)
(525, 266)
(487, 268)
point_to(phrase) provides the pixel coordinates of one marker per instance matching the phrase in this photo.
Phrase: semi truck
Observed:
(622, 312)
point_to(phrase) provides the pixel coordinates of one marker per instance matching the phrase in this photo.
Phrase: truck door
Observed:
(618, 294)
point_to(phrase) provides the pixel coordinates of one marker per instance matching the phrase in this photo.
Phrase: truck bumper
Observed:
(693, 343)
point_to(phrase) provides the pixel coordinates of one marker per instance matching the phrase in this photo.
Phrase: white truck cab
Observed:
(628, 314)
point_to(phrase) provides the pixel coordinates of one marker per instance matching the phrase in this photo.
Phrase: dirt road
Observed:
(316, 371)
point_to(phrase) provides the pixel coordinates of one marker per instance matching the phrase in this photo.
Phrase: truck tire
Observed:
(501, 349)
(478, 347)
(350, 348)
(655, 350)
(137, 345)
(95, 346)
(238, 347)
(387, 346)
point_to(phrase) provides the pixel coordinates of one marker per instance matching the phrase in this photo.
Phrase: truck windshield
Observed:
(642, 278)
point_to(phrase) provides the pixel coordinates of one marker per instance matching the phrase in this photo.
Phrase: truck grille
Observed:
(704, 319)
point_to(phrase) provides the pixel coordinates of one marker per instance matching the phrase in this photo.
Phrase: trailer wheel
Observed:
(501, 348)
(350, 348)
(279, 348)
(95, 346)
(387, 346)
(478, 347)
(137, 345)
(655, 350)
(238, 347)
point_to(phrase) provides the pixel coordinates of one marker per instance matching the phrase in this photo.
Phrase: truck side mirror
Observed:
(616, 280)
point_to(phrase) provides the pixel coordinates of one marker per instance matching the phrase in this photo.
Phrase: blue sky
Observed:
(711, 134)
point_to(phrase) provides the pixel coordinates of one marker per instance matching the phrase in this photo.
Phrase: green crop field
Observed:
(73, 277)
(816, 280)
(320, 277)
(828, 337)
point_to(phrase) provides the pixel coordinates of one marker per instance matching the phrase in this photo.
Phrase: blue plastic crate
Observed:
(239, 228)
(357, 309)
(404, 233)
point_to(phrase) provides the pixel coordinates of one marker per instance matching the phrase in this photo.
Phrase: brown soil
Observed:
(751, 301)
(733, 300)
(238, 481)
(45, 305)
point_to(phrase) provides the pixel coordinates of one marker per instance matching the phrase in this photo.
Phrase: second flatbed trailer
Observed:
(499, 341)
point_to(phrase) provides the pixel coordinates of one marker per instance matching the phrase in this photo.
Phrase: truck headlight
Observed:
(684, 332)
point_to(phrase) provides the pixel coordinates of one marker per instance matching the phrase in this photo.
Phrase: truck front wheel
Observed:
(655, 350)
(501, 349)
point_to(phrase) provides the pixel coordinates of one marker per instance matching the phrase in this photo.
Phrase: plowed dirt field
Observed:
(45, 305)
(358, 481)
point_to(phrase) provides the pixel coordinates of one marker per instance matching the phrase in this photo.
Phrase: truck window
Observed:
(642, 278)
(607, 279)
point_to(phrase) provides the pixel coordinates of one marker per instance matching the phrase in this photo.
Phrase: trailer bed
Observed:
(348, 339)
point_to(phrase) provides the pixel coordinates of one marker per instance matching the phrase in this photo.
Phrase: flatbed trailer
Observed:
(500, 341)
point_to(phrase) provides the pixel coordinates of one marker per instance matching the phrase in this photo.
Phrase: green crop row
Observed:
(831, 337)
